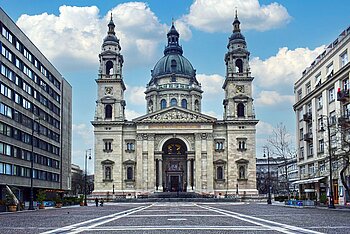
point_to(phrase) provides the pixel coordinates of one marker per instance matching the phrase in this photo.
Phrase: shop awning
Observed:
(309, 181)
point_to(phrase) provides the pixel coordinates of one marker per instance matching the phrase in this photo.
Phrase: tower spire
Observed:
(111, 25)
(236, 23)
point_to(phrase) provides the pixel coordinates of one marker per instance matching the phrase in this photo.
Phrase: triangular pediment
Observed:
(129, 162)
(219, 161)
(175, 114)
(107, 161)
(242, 161)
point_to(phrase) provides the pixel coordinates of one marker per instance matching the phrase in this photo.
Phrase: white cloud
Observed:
(184, 30)
(131, 114)
(264, 128)
(136, 95)
(214, 16)
(273, 98)
(211, 84)
(139, 30)
(83, 134)
(212, 114)
(71, 36)
(284, 68)
(72, 39)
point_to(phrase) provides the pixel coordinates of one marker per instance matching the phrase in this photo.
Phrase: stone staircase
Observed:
(175, 195)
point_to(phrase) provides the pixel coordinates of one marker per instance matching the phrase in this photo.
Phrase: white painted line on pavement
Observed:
(177, 219)
(70, 227)
(245, 219)
(151, 228)
(285, 228)
(81, 229)
(175, 215)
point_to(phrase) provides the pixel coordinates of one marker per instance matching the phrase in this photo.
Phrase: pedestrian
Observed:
(101, 203)
(96, 201)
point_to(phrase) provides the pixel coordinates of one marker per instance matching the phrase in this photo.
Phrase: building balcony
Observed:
(307, 117)
(308, 137)
(343, 95)
(344, 121)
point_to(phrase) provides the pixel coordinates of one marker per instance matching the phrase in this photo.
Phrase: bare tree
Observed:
(343, 155)
(281, 145)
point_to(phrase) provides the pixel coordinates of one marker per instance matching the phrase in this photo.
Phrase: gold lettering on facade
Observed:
(174, 126)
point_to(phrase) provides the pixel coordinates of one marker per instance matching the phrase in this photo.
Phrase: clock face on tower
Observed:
(240, 89)
(108, 90)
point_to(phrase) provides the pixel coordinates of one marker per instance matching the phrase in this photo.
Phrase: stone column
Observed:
(198, 168)
(139, 164)
(151, 168)
(210, 160)
(189, 174)
(160, 169)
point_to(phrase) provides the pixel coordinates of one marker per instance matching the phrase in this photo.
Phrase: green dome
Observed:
(173, 63)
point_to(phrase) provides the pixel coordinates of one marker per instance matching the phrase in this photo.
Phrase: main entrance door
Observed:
(174, 165)
(175, 183)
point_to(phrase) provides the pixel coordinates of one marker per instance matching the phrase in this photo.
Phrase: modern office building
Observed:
(322, 108)
(174, 146)
(35, 117)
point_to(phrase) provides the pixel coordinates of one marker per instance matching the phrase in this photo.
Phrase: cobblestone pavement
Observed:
(180, 217)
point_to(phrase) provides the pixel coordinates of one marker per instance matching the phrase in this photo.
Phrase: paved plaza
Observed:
(167, 217)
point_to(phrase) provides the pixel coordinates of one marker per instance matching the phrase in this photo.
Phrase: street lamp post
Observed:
(85, 181)
(31, 198)
(331, 199)
(268, 176)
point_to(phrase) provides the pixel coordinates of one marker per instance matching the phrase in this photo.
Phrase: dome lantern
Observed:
(173, 46)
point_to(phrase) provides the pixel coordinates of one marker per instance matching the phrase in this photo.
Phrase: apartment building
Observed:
(35, 117)
(322, 112)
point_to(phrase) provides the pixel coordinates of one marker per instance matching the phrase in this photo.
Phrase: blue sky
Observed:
(283, 37)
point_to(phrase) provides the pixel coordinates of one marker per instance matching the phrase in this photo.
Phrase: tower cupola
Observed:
(111, 38)
(173, 46)
(236, 37)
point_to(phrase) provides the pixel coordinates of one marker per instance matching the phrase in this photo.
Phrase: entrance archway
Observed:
(174, 165)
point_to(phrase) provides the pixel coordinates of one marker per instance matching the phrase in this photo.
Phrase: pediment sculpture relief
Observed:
(175, 115)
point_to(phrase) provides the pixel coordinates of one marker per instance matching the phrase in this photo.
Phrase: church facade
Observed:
(174, 147)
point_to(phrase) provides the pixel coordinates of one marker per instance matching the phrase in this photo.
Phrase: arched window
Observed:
(240, 110)
(129, 173)
(173, 63)
(108, 111)
(219, 173)
(163, 104)
(196, 105)
(239, 65)
(242, 172)
(108, 173)
(150, 106)
(184, 103)
(109, 68)
(173, 102)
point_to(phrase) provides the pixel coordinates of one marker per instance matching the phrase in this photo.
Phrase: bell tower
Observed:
(238, 102)
(110, 104)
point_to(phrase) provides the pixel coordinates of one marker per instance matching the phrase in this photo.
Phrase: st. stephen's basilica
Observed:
(174, 147)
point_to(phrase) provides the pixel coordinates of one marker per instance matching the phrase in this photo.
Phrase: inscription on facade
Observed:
(175, 126)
